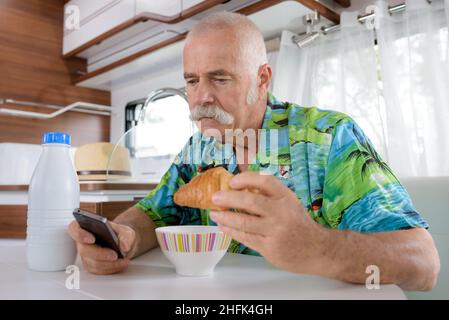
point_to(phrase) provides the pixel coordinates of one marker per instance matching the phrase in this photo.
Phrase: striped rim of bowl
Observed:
(192, 241)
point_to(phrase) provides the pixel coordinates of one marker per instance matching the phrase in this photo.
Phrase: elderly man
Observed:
(327, 204)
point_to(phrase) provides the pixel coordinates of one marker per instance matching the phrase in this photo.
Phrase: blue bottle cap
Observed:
(56, 137)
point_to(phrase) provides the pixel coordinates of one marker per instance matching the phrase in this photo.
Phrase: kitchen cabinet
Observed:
(187, 4)
(108, 209)
(105, 199)
(122, 20)
(13, 217)
(167, 8)
(95, 18)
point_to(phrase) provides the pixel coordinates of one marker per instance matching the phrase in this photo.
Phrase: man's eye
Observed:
(192, 81)
(221, 81)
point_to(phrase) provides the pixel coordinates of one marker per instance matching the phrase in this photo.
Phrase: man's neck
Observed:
(253, 126)
(247, 146)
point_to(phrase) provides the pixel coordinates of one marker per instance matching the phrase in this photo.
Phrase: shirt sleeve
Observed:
(158, 204)
(361, 193)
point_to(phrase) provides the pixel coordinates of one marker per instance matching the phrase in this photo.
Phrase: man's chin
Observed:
(211, 127)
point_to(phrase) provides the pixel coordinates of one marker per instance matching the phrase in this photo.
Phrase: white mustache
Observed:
(213, 112)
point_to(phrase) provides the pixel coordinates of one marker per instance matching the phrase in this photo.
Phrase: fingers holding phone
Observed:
(126, 237)
(100, 260)
(109, 257)
(80, 235)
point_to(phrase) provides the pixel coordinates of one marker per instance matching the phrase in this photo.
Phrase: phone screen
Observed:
(100, 228)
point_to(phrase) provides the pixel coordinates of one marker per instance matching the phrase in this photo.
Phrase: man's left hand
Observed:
(274, 222)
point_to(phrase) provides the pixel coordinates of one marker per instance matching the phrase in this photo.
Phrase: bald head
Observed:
(246, 36)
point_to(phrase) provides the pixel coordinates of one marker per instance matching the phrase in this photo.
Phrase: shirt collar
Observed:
(276, 115)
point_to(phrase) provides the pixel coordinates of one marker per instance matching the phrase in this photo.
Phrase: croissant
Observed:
(198, 192)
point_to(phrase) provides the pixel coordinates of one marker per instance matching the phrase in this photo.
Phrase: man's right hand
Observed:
(100, 260)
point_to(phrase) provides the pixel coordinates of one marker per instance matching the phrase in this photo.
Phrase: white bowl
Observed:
(194, 250)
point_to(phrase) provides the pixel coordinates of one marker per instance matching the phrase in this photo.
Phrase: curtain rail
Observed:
(393, 9)
(303, 39)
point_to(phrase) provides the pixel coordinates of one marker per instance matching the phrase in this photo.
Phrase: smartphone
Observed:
(100, 227)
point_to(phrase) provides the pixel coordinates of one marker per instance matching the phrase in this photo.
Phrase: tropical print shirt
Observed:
(322, 156)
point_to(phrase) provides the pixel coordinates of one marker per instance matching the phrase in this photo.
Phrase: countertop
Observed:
(93, 186)
(90, 191)
(152, 276)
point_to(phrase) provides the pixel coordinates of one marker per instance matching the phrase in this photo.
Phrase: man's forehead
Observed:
(220, 50)
(211, 65)
(210, 58)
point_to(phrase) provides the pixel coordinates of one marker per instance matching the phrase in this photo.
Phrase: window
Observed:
(162, 131)
(155, 138)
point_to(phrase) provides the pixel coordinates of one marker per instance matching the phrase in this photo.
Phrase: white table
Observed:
(151, 276)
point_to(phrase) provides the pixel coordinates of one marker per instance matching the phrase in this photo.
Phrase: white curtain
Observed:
(397, 92)
(336, 72)
(415, 73)
(446, 7)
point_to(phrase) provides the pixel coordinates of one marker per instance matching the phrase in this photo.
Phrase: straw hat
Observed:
(91, 162)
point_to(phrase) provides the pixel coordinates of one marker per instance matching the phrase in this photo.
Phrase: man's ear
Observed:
(265, 74)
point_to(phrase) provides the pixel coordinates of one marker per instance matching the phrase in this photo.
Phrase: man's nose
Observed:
(205, 94)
